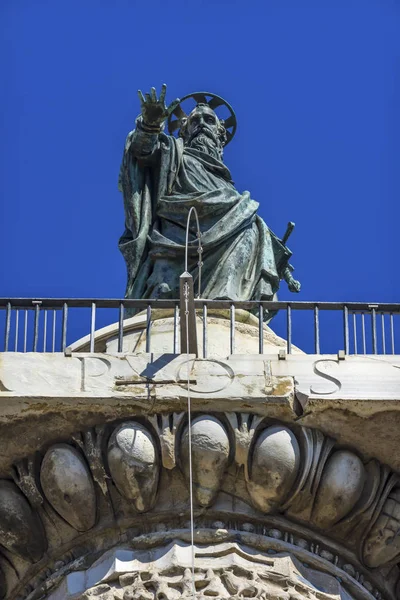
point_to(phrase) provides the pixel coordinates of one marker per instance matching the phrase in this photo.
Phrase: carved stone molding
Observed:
(134, 472)
(223, 570)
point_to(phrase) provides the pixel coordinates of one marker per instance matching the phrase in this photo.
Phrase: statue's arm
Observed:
(292, 283)
(144, 140)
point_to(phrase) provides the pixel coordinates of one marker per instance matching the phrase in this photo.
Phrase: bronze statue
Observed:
(162, 177)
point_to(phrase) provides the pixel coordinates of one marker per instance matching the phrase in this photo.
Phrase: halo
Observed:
(214, 102)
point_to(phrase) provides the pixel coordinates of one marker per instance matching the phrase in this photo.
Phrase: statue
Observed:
(161, 178)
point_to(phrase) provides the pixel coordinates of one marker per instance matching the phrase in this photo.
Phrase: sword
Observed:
(288, 231)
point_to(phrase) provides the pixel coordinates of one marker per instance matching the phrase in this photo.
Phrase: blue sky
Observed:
(316, 90)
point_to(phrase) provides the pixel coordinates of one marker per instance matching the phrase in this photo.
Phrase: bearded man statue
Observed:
(161, 178)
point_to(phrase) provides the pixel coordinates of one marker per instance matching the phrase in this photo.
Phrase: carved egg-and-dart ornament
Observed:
(210, 457)
(274, 465)
(68, 486)
(340, 487)
(21, 530)
(133, 461)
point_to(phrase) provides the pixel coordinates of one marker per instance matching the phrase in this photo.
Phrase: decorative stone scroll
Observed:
(242, 464)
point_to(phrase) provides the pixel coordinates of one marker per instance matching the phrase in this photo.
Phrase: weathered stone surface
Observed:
(53, 398)
(162, 335)
(21, 530)
(37, 402)
(323, 378)
(133, 461)
(223, 570)
(340, 488)
(273, 467)
(210, 455)
(382, 545)
(68, 486)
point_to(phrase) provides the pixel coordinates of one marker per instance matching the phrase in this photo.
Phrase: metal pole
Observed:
(373, 319)
(64, 327)
(392, 332)
(44, 330)
(232, 329)
(316, 329)
(16, 330)
(8, 323)
(25, 329)
(205, 341)
(346, 329)
(355, 333)
(121, 327)
(53, 335)
(148, 327)
(36, 328)
(92, 326)
(176, 319)
(383, 334)
(364, 343)
(187, 315)
(289, 328)
(260, 329)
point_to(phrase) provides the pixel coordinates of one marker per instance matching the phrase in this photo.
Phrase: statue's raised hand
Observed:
(155, 111)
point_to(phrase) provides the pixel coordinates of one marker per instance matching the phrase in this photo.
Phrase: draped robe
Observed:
(161, 180)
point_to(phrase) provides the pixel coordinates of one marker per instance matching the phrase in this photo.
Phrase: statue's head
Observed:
(203, 131)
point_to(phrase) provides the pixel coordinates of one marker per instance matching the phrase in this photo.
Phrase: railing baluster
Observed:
(232, 329)
(25, 329)
(205, 341)
(260, 329)
(363, 333)
(148, 328)
(176, 328)
(53, 340)
(44, 330)
(36, 327)
(355, 332)
(373, 323)
(45, 334)
(289, 328)
(8, 324)
(383, 333)
(16, 330)
(346, 329)
(392, 332)
(92, 326)
(64, 327)
(121, 327)
(316, 330)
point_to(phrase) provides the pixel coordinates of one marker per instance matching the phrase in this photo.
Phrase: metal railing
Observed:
(43, 325)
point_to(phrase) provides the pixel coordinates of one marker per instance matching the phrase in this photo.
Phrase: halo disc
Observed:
(216, 103)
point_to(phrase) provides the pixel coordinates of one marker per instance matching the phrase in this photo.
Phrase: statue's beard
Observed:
(208, 143)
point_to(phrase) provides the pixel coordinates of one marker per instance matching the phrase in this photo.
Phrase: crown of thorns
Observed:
(216, 103)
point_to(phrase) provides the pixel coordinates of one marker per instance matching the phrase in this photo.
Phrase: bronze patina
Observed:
(162, 177)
